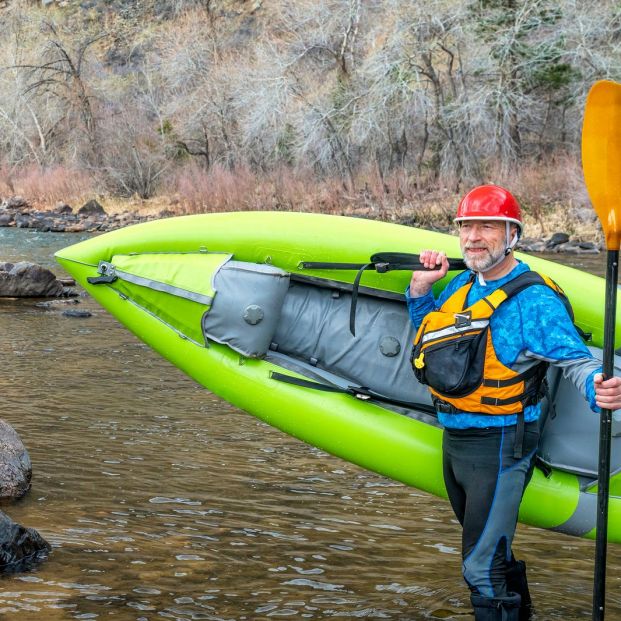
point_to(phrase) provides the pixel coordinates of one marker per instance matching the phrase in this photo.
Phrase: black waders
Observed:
(517, 583)
(496, 608)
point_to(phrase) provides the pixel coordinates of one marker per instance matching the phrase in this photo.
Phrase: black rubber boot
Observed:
(517, 583)
(496, 608)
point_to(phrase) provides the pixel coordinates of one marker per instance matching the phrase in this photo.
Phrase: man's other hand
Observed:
(608, 392)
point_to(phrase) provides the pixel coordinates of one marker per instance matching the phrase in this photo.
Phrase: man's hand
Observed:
(422, 280)
(607, 393)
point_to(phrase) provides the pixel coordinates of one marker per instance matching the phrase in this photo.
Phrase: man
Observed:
(483, 348)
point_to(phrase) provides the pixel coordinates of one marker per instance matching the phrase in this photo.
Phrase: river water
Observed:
(163, 502)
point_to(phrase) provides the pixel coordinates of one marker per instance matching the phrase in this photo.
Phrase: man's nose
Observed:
(474, 232)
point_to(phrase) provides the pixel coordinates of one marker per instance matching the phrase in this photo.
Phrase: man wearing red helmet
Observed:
(483, 348)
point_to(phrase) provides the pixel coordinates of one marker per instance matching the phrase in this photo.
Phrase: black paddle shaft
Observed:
(605, 433)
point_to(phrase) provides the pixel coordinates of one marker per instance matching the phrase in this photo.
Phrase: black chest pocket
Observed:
(453, 367)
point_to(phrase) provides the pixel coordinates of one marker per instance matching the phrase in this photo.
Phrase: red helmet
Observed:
(490, 202)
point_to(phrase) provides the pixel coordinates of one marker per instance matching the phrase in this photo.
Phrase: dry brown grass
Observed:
(45, 187)
(392, 197)
(549, 194)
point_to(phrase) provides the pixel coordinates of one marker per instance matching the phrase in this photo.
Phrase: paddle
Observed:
(601, 162)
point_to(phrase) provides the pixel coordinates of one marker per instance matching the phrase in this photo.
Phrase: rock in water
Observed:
(28, 280)
(21, 548)
(15, 464)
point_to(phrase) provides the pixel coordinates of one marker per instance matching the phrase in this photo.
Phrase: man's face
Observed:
(483, 243)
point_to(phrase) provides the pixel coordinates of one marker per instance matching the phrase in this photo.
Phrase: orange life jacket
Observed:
(454, 355)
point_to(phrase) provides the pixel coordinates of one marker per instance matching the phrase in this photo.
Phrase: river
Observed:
(163, 502)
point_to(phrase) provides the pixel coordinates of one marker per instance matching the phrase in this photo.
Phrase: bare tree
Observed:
(134, 156)
(59, 76)
(449, 92)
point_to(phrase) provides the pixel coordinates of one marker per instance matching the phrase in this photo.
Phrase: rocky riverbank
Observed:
(92, 217)
(558, 242)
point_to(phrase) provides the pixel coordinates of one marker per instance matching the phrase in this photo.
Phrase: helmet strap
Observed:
(511, 241)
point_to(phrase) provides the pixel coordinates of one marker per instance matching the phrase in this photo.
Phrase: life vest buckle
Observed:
(463, 320)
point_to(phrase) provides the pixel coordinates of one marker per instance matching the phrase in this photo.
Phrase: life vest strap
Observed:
(526, 375)
(531, 395)
(506, 401)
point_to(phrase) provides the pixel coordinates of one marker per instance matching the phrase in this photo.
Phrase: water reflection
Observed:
(163, 502)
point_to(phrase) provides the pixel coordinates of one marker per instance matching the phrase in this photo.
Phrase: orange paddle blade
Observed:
(601, 156)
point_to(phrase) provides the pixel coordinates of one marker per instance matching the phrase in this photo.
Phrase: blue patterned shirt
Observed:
(532, 325)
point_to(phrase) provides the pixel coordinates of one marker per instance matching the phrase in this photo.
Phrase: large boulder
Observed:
(15, 464)
(28, 280)
(557, 239)
(15, 202)
(91, 208)
(21, 548)
(62, 208)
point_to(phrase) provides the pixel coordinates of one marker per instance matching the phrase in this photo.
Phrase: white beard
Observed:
(485, 261)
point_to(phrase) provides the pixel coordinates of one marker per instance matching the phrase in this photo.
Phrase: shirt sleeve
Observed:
(419, 307)
(549, 334)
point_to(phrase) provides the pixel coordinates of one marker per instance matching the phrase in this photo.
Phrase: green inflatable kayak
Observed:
(242, 303)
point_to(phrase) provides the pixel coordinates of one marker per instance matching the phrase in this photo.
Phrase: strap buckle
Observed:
(107, 273)
(463, 319)
(360, 392)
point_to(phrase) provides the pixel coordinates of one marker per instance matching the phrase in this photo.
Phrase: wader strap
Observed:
(518, 445)
(360, 392)
(381, 262)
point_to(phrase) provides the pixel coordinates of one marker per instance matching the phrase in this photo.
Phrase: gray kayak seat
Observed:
(570, 438)
(314, 328)
(303, 325)
(247, 307)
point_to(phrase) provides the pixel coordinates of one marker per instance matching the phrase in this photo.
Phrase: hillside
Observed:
(308, 104)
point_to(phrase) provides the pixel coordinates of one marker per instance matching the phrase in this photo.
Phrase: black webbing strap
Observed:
(354, 298)
(360, 392)
(518, 445)
(381, 262)
(526, 375)
(540, 389)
